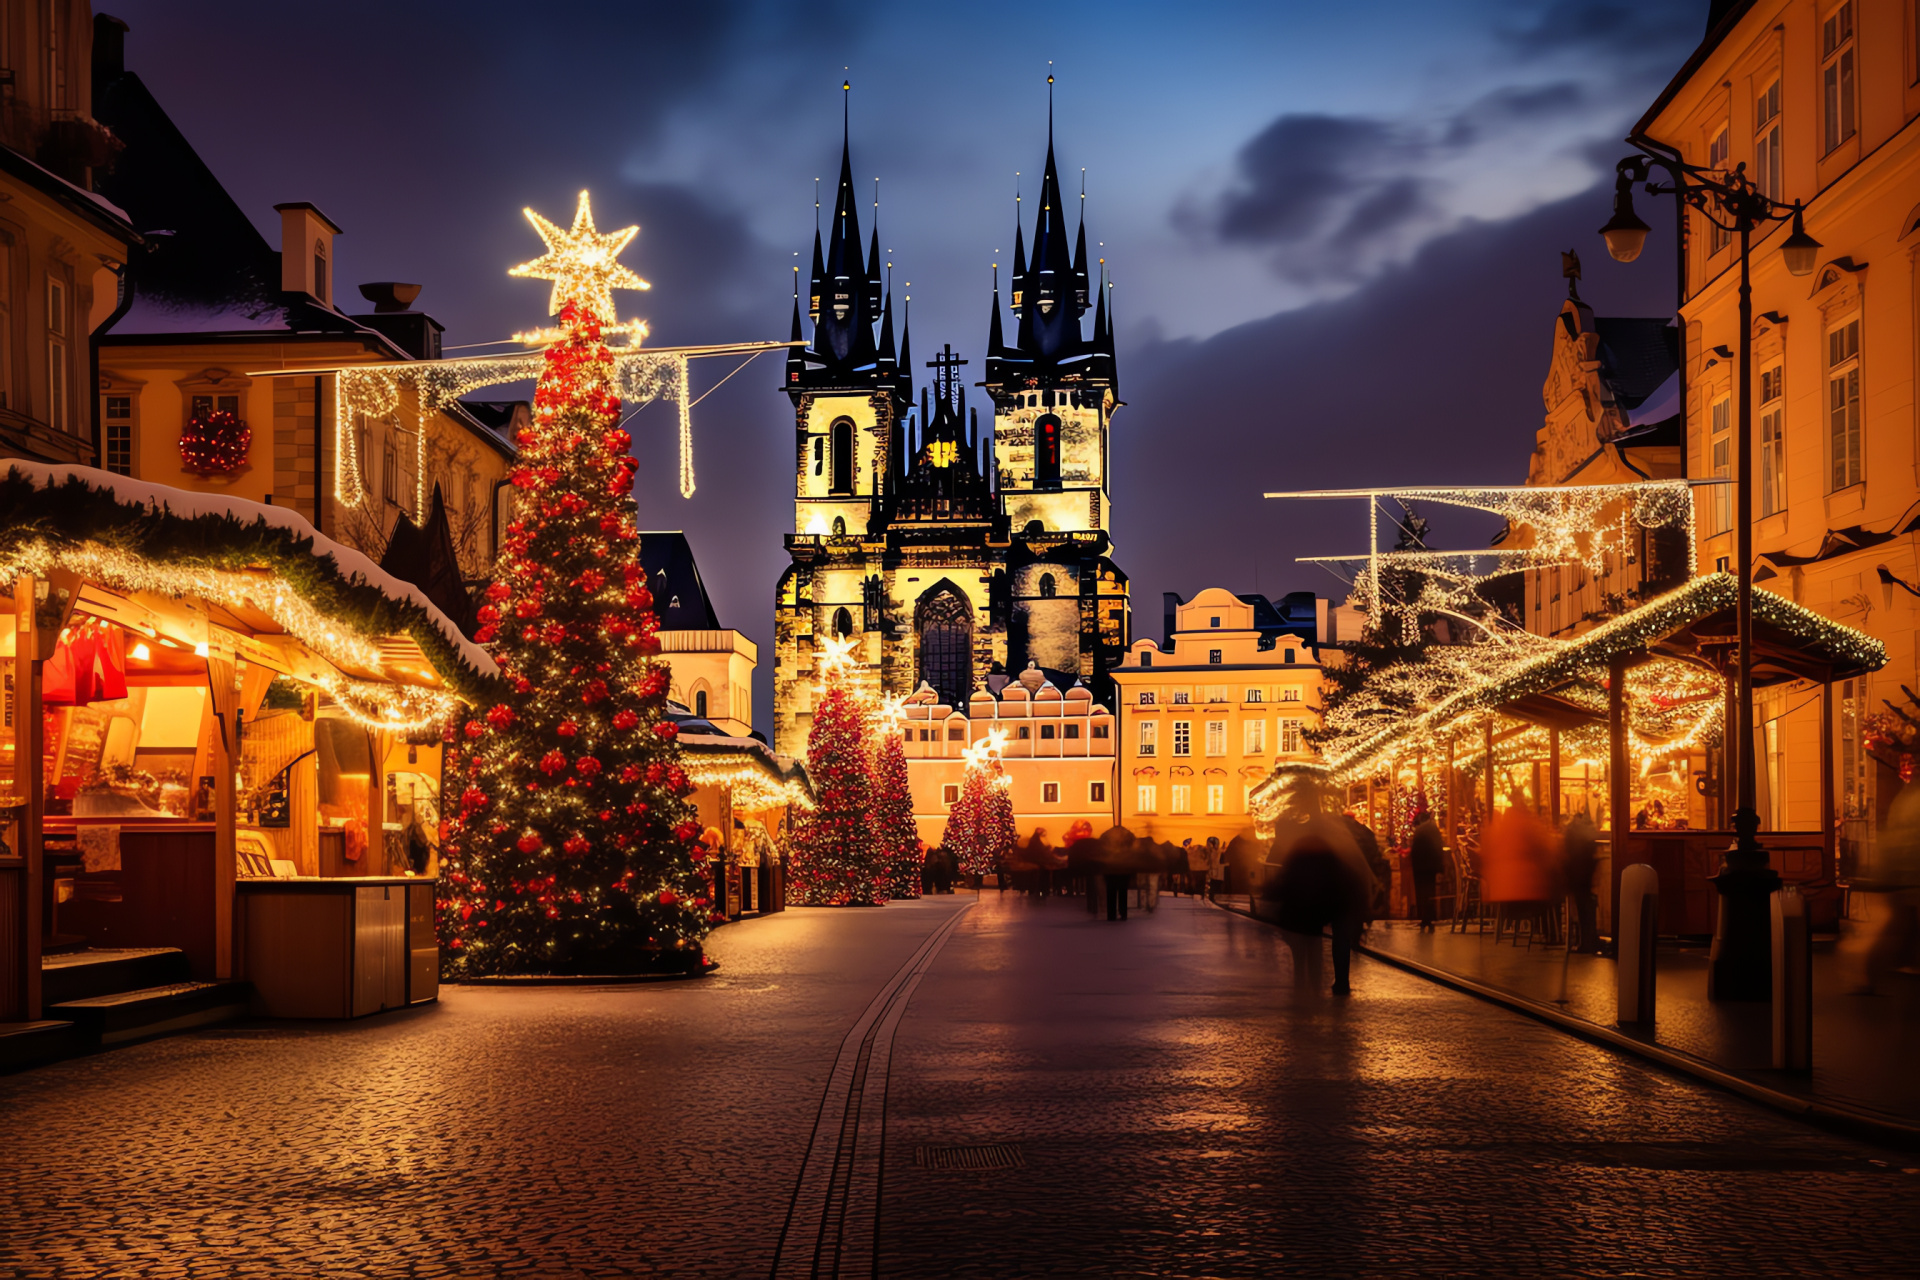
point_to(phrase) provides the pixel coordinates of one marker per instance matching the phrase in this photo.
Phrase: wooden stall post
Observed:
(225, 700)
(1487, 816)
(28, 762)
(1829, 820)
(1619, 776)
(1553, 775)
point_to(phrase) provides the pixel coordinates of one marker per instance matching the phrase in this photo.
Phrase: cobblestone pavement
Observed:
(562, 1131)
(1180, 1111)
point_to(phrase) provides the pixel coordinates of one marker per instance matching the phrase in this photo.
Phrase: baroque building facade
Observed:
(951, 554)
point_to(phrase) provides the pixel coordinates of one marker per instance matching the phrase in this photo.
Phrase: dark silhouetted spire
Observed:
(996, 343)
(796, 362)
(905, 377)
(885, 358)
(843, 333)
(1080, 252)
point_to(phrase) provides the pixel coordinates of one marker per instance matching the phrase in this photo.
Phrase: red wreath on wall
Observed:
(215, 443)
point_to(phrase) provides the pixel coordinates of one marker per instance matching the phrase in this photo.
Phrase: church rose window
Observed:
(946, 646)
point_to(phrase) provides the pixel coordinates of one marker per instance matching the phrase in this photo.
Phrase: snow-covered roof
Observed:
(353, 567)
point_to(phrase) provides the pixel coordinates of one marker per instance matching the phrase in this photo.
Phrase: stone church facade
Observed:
(957, 556)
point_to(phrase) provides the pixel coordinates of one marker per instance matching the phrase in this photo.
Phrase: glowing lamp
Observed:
(1801, 251)
(1624, 233)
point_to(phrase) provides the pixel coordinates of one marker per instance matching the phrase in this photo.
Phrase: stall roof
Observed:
(348, 609)
(1693, 622)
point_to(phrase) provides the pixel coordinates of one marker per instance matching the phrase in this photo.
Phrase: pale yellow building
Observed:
(1207, 716)
(1818, 99)
(1058, 754)
(711, 666)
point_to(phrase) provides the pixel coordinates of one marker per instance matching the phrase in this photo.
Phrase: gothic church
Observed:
(955, 558)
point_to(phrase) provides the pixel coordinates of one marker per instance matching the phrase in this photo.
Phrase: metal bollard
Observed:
(1792, 981)
(1638, 930)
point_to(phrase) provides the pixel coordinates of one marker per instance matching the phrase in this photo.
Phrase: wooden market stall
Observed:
(220, 760)
(746, 798)
(1578, 726)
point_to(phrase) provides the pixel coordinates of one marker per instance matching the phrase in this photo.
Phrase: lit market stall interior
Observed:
(221, 760)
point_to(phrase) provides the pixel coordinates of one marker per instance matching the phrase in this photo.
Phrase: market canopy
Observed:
(297, 600)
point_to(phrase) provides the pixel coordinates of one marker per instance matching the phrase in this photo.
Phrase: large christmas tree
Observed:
(836, 859)
(894, 830)
(572, 848)
(980, 830)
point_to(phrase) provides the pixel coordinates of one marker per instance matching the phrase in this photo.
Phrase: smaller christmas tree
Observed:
(980, 829)
(836, 859)
(895, 833)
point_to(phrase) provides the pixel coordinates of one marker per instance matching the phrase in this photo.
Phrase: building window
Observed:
(1183, 737)
(1213, 622)
(1766, 142)
(1023, 733)
(1049, 793)
(1096, 793)
(1046, 733)
(1836, 76)
(700, 703)
(1256, 695)
(1773, 453)
(1181, 798)
(1216, 798)
(1100, 731)
(320, 270)
(1722, 449)
(950, 794)
(117, 411)
(59, 369)
(1181, 697)
(1146, 659)
(1146, 697)
(1073, 732)
(1149, 737)
(842, 456)
(1289, 656)
(1289, 695)
(957, 733)
(946, 646)
(1843, 403)
(1718, 149)
(1219, 693)
(1216, 737)
(1289, 737)
(1146, 798)
(1047, 586)
(1046, 453)
(819, 455)
(1213, 656)
(839, 526)
(842, 622)
(1255, 737)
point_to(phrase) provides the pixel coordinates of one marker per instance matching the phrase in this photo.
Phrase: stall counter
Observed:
(338, 947)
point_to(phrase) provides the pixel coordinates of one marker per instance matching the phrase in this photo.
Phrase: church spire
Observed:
(1080, 253)
(905, 388)
(796, 363)
(843, 334)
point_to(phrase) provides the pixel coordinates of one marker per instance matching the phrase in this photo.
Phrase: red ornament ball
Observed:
(528, 843)
(567, 729)
(625, 719)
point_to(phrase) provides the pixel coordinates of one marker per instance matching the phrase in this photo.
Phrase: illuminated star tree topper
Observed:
(584, 265)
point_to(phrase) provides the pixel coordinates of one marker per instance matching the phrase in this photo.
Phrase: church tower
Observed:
(1054, 389)
(849, 392)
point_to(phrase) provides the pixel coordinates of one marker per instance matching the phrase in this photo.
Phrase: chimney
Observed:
(109, 53)
(1169, 602)
(414, 332)
(306, 251)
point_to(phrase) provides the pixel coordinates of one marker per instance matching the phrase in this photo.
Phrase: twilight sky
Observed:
(1333, 227)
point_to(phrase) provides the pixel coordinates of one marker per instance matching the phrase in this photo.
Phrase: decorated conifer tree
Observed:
(894, 829)
(836, 858)
(980, 830)
(572, 848)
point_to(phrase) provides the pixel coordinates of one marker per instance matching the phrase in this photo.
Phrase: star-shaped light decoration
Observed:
(836, 654)
(583, 264)
(982, 753)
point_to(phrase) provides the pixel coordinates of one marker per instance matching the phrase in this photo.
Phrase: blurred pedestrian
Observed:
(1896, 869)
(1426, 858)
(1581, 850)
(1322, 881)
(1116, 869)
(1216, 869)
(1369, 846)
(1518, 875)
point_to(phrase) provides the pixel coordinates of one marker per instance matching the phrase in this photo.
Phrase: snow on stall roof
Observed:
(353, 565)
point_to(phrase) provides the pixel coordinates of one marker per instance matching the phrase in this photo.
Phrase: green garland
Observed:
(74, 513)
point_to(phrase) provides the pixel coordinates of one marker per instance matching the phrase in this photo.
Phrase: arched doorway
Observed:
(945, 624)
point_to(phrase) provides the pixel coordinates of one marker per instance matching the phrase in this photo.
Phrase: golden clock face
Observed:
(943, 452)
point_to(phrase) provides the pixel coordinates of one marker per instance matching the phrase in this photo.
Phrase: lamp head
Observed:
(1625, 233)
(1801, 251)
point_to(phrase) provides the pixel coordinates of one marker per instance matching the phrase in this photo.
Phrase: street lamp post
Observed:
(1741, 965)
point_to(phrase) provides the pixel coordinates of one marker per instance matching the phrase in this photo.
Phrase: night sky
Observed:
(1334, 229)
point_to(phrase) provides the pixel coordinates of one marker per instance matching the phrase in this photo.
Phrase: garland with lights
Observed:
(574, 849)
(837, 859)
(215, 443)
(72, 518)
(894, 830)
